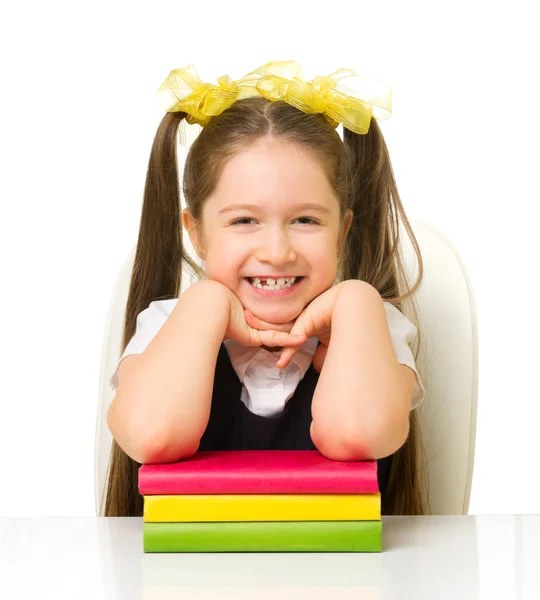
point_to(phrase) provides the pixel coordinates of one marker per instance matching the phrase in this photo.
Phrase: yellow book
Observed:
(262, 507)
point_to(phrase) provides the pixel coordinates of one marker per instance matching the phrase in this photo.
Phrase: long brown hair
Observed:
(359, 171)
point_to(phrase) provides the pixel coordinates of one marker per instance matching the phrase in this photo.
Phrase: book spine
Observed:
(308, 536)
(215, 483)
(279, 507)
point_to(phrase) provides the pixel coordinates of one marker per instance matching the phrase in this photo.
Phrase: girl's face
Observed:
(273, 216)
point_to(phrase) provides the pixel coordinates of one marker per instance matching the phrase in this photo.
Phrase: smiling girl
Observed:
(293, 337)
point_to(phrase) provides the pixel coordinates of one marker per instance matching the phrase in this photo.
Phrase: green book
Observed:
(264, 536)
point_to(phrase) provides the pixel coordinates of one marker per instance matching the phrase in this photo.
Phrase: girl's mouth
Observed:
(272, 287)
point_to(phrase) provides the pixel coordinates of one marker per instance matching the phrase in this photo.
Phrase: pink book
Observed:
(259, 472)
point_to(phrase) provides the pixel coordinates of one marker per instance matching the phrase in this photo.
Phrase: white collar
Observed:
(241, 356)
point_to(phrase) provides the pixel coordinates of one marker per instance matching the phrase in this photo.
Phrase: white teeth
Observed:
(282, 283)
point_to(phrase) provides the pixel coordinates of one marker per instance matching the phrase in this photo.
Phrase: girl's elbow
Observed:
(163, 450)
(335, 446)
(361, 445)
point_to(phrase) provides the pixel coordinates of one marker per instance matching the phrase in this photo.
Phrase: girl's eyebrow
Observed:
(254, 207)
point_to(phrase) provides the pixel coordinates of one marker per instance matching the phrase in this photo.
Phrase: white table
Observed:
(457, 557)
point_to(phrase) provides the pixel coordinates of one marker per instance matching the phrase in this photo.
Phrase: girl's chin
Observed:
(274, 315)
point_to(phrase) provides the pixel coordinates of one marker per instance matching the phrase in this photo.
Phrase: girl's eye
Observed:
(311, 221)
(241, 221)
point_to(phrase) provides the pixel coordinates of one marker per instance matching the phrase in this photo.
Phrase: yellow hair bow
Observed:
(353, 104)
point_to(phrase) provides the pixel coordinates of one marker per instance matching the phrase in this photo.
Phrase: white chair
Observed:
(447, 319)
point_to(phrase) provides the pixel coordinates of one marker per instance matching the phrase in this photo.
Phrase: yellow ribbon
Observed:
(353, 104)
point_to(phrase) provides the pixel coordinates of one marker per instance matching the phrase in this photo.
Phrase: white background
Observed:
(78, 117)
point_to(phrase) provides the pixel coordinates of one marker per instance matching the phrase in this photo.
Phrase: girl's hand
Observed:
(314, 320)
(320, 352)
(274, 336)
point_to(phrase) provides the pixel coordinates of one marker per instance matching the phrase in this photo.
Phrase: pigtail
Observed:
(372, 253)
(157, 275)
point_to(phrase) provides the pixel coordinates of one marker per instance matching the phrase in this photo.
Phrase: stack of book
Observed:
(261, 501)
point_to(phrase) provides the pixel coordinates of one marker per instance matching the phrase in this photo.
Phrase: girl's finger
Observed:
(254, 321)
(287, 353)
(285, 357)
(281, 338)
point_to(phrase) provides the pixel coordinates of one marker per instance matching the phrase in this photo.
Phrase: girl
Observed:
(293, 337)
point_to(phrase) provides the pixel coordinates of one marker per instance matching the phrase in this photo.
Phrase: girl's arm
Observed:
(360, 407)
(162, 405)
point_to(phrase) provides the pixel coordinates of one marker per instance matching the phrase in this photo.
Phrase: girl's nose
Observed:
(276, 248)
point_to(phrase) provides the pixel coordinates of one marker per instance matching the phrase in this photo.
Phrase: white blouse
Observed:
(266, 388)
